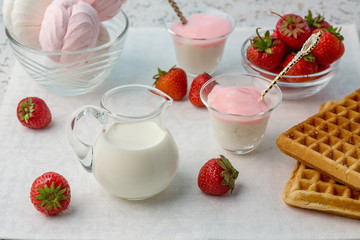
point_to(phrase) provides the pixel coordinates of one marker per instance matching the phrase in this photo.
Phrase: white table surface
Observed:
(255, 210)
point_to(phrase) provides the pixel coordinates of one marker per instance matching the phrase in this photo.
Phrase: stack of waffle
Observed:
(327, 148)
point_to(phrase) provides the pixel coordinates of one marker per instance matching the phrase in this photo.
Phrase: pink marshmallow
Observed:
(69, 25)
(106, 9)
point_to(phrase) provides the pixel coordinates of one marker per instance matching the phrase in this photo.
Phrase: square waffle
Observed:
(308, 188)
(329, 141)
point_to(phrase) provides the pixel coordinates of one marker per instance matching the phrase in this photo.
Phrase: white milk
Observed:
(135, 160)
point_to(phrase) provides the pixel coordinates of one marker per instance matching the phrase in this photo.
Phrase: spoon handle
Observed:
(307, 47)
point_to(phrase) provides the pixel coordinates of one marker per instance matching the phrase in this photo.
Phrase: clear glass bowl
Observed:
(86, 69)
(292, 86)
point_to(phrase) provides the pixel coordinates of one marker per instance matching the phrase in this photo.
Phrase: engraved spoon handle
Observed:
(307, 47)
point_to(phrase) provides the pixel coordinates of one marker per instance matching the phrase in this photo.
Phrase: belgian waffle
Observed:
(308, 188)
(326, 105)
(329, 141)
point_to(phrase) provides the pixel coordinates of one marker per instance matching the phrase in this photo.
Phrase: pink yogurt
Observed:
(204, 26)
(237, 100)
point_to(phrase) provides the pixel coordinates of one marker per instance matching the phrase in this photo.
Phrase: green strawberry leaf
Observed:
(269, 51)
(26, 110)
(336, 32)
(309, 58)
(229, 173)
(51, 196)
(263, 44)
(314, 21)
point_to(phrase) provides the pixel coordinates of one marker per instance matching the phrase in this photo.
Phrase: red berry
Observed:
(292, 30)
(197, 83)
(323, 67)
(305, 66)
(266, 51)
(330, 47)
(275, 72)
(217, 176)
(173, 82)
(50, 193)
(33, 112)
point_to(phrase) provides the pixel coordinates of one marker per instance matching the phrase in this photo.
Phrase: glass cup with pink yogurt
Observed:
(199, 44)
(239, 118)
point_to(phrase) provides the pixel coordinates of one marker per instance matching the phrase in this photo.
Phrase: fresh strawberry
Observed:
(172, 82)
(50, 193)
(330, 47)
(217, 176)
(292, 30)
(305, 66)
(274, 35)
(316, 22)
(265, 51)
(197, 83)
(274, 72)
(33, 112)
(323, 67)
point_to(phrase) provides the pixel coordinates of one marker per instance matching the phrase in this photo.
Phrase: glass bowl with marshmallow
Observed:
(69, 47)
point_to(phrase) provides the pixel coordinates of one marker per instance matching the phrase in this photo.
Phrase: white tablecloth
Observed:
(254, 210)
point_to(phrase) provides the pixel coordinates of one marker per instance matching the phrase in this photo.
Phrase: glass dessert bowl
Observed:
(238, 118)
(199, 45)
(83, 70)
(292, 86)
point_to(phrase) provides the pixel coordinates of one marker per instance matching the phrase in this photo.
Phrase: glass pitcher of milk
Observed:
(134, 156)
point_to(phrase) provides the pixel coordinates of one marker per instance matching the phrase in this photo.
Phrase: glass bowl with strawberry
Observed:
(268, 53)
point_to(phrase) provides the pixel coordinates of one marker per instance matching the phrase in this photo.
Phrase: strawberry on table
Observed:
(197, 83)
(305, 66)
(292, 30)
(266, 51)
(50, 193)
(172, 82)
(217, 176)
(330, 47)
(33, 112)
(316, 22)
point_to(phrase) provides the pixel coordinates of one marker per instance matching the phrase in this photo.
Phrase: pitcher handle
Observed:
(83, 151)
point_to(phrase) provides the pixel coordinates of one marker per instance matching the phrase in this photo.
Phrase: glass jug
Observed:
(134, 156)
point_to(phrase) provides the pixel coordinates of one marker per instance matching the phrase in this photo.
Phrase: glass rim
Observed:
(167, 101)
(214, 79)
(227, 16)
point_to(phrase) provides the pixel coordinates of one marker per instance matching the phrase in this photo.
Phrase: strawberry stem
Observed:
(51, 196)
(26, 110)
(229, 173)
(278, 15)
